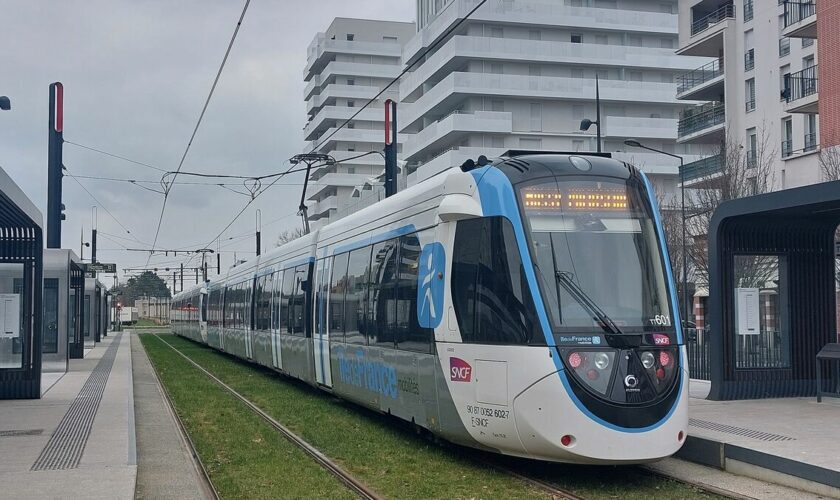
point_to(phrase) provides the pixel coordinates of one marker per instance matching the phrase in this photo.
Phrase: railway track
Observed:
(336, 470)
(363, 491)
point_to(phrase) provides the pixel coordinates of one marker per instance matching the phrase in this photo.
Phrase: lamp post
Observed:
(586, 122)
(636, 144)
(5, 103)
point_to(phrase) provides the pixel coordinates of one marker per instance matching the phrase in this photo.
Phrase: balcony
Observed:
(702, 122)
(704, 168)
(707, 32)
(703, 84)
(352, 135)
(800, 19)
(453, 89)
(325, 50)
(455, 53)
(653, 163)
(549, 12)
(334, 180)
(640, 127)
(332, 116)
(452, 127)
(330, 92)
(802, 91)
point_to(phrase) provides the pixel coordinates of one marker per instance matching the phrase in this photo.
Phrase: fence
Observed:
(697, 349)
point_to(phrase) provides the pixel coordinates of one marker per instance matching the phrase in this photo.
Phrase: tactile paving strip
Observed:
(738, 431)
(67, 443)
(21, 432)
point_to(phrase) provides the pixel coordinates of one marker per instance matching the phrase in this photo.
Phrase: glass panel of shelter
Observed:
(12, 302)
(762, 338)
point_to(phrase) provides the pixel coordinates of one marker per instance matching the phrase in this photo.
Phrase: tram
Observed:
(523, 306)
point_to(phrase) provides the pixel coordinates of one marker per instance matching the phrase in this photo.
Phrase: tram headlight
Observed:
(648, 360)
(601, 360)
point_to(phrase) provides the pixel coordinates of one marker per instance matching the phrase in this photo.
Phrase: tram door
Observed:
(276, 285)
(249, 317)
(320, 337)
(202, 314)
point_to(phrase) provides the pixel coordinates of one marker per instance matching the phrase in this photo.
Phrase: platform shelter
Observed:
(772, 302)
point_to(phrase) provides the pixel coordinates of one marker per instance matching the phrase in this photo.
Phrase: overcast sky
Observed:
(135, 75)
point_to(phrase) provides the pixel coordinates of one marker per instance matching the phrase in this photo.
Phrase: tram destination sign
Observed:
(92, 268)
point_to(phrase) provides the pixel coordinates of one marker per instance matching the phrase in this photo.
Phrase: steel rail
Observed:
(705, 487)
(345, 477)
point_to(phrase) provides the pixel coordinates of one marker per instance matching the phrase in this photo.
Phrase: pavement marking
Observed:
(21, 432)
(67, 444)
(738, 431)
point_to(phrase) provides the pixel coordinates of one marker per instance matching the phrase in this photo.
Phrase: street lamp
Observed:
(5, 103)
(586, 122)
(636, 144)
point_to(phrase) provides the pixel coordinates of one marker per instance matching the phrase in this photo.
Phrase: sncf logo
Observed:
(660, 339)
(459, 370)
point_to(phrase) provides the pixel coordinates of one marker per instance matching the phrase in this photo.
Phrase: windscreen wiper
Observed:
(565, 279)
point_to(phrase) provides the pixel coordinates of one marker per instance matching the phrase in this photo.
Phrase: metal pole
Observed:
(54, 164)
(182, 276)
(303, 210)
(598, 110)
(93, 235)
(259, 223)
(390, 148)
(686, 305)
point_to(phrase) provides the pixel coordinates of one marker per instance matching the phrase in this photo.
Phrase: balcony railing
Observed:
(802, 84)
(699, 76)
(748, 10)
(810, 142)
(796, 11)
(749, 60)
(787, 148)
(701, 117)
(725, 12)
(702, 168)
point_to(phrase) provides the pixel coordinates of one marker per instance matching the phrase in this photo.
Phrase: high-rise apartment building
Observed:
(346, 66)
(520, 74)
(760, 90)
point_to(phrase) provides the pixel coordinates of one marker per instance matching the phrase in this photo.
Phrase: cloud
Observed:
(136, 74)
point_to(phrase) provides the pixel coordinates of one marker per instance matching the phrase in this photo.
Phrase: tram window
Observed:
(227, 307)
(410, 335)
(250, 300)
(298, 301)
(354, 307)
(491, 297)
(286, 293)
(380, 313)
(321, 297)
(277, 283)
(262, 300)
(338, 286)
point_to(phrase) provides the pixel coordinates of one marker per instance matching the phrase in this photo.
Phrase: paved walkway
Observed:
(791, 441)
(165, 466)
(78, 440)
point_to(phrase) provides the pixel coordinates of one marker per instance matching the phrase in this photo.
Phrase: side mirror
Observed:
(455, 207)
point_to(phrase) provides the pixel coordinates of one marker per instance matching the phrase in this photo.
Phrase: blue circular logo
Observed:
(430, 280)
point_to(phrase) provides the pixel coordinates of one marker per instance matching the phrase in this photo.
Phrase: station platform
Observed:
(788, 441)
(78, 440)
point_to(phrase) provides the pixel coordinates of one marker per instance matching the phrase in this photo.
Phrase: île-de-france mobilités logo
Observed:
(430, 280)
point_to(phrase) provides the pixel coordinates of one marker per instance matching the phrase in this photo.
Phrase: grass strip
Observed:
(244, 456)
(397, 463)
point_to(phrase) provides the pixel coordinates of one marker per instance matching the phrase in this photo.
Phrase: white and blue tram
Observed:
(525, 307)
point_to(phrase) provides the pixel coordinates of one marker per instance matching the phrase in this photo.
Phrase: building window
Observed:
(534, 70)
(351, 125)
(810, 133)
(784, 46)
(752, 146)
(350, 37)
(787, 137)
(496, 32)
(784, 82)
(807, 42)
(577, 38)
(534, 35)
(749, 60)
(496, 68)
(750, 94)
(601, 39)
(536, 117)
(497, 105)
(351, 104)
(351, 81)
(748, 10)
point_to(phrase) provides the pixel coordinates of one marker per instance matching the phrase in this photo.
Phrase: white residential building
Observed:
(761, 84)
(347, 65)
(520, 74)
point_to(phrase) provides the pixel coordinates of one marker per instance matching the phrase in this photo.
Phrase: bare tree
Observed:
(288, 235)
(829, 159)
(742, 173)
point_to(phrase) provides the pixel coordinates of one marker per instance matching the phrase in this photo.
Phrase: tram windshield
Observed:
(596, 249)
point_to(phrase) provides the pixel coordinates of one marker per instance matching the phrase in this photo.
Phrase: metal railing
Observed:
(701, 117)
(699, 76)
(787, 148)
(749, 60)
(810, 142)
(750, 105)
(796, 11)
(702, 168)
(725, 12)
(765, 350)
(784, 46)
(748, 10)
(697, 348)
(802, 84)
